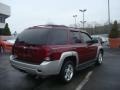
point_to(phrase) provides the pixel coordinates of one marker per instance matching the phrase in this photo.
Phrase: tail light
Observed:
(42, 53)
(47, 53)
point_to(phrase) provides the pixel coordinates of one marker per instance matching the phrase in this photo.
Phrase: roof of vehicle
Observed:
(48, 26)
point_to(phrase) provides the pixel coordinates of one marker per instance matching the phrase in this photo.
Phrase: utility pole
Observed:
(109, 12)
(83, 21)
(75, 17)
(109, 15)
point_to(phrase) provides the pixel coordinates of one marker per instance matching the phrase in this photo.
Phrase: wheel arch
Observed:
(100, 49)
(71, 55)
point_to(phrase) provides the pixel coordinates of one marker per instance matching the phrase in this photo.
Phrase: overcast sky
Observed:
(25, 13)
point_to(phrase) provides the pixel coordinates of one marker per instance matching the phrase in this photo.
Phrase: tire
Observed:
(99, 59)
(1, 49)
(67, 72)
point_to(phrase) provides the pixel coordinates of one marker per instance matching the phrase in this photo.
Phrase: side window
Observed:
(75, 37)
(85, 37)
(58, 37)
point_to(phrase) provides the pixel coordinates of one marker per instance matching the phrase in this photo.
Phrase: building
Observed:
(4, 14)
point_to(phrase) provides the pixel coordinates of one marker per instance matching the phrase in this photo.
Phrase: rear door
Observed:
(78, 46)
(91, 48)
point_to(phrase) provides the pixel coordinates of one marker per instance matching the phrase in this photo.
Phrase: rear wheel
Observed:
(99, 59)
(67, 72)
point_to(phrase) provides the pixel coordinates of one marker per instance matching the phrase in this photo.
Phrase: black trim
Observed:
(86, 64)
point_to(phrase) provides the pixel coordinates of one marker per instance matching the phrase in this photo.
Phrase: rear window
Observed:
(43, 36)
(33, 36)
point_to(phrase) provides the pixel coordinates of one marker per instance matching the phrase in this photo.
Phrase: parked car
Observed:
(99, 39)
(103, 39)
(6, 45)
(55, 50)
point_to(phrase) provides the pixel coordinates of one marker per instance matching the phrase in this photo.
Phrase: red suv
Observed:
(55, 50)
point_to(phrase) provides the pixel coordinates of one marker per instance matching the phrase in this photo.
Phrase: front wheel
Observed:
(67, 72)
(99, 59)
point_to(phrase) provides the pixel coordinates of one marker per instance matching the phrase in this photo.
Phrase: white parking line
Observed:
(87, 77)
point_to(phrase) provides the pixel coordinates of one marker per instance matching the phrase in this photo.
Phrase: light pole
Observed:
(109, 16)
(75, 17)
(109, 12)
(83, 22)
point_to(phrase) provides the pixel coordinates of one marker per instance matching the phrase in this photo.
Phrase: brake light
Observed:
(47, 53)
(42, 53)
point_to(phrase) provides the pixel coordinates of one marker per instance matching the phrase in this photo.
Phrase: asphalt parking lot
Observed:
(104, 77)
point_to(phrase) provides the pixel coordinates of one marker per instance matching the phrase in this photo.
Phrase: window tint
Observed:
(33, 36)
(43, 36)
(58, 37)
(85, 37)
(75, 37)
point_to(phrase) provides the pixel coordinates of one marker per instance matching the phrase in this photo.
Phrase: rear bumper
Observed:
(45, 68)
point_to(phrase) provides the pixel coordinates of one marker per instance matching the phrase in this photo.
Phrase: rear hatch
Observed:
(30, 45)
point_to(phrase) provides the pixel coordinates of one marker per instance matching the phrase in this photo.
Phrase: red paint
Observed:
(37, 53)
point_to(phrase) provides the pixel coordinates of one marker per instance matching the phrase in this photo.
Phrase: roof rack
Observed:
(48, 26)
(56, 25)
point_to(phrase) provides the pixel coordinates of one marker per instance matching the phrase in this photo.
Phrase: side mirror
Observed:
(103, 42)
(93, 41)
